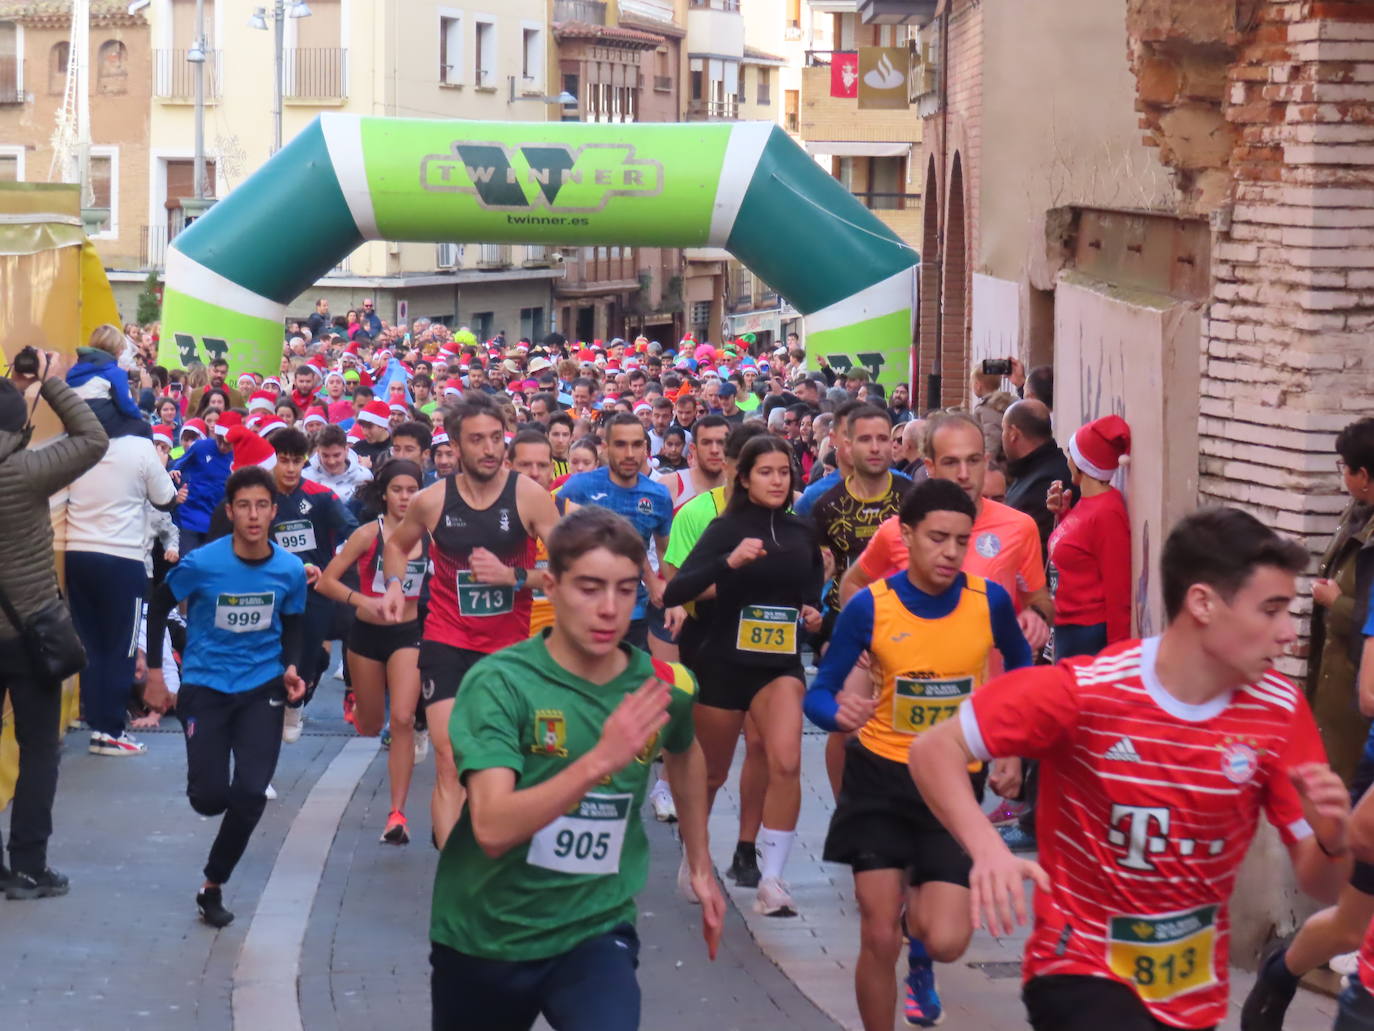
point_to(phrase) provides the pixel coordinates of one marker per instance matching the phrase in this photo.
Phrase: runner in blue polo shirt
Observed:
(622, 487)
(245, 598)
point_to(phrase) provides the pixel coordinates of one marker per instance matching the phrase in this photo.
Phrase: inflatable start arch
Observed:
(744, 186)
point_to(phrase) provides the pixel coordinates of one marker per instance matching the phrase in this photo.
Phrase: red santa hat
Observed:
(315, 415)
(273, 382)
(355, 433)
(643, 406)
(270, 426)
(262, 401)
(316, 362)
(226, 422)
(162, 435)
(439, 438)
(399, 406)
(376, 412)
(254, 421)
(250, 449)
(1101, 447)
(196, 426)
(453, 386)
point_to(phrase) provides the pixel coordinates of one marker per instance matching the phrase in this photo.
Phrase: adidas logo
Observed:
(1123, 751)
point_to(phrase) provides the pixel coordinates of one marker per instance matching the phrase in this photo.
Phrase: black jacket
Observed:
(1031, 477)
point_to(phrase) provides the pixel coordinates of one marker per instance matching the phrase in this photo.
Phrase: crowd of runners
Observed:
(581, 575)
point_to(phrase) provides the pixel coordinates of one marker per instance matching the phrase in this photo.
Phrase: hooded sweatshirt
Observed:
(346, 483)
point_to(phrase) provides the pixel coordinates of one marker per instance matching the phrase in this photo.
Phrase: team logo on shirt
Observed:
(649, 751)
(550, 733)
(646, 506)
(989, 545)
(504, 518)
(305, 507)
(1239, 761)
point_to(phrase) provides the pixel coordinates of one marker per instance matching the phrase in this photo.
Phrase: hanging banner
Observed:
(844, 75)
(883, 78)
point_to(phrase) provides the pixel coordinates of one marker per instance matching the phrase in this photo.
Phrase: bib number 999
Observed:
(249, 618)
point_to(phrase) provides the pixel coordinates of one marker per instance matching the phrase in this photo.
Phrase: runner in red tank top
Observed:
(483, 521)
(1158, 757)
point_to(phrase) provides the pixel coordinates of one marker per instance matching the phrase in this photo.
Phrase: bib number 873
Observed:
(583, 845)
(768, 635)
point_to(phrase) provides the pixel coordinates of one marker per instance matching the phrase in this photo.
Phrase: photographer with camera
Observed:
(38, 645)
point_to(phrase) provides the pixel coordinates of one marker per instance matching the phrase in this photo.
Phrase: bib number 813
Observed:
(1177, 966)
(586, 845)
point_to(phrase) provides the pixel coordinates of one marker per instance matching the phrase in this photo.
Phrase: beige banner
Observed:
(883, 73)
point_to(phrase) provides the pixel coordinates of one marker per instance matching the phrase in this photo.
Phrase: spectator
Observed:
(370, 320)
(106, 579)
(28, 577)
(899, 407)
(910, 459)
(319, 319)
(218, 370)
(1340, 605)
(1034, 461)
(1090, 549)
(100, 360)
(990, 401)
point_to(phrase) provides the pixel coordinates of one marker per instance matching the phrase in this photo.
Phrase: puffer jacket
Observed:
(27, 479)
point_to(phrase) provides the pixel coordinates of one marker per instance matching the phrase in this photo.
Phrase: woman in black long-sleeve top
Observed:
(762, 567)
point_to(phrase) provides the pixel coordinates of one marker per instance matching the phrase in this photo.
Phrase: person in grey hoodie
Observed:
(28, 577)
(335, 466)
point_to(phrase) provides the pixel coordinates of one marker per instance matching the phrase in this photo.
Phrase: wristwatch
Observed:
(521, 575)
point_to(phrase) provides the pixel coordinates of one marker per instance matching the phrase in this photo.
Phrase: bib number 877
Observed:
(584, 845)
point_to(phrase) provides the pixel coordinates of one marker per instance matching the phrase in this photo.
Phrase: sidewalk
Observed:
(816, 950)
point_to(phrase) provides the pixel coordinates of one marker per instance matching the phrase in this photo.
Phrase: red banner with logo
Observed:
(844, 75)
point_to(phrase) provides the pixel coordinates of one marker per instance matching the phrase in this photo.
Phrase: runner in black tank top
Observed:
(484, 522)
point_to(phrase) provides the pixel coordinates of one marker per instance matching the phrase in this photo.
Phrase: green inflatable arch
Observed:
(744, 186)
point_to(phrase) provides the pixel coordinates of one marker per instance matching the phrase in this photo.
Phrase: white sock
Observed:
(773, 849)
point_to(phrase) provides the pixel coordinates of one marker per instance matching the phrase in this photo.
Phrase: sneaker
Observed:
(46, 884)
(744, 867)
(1345, 964)
(385, 736)
(338, 673)
(104, 744)
(1007, 812)
(1269, 999)
(210, 903)
(421, 745)
(921, 1007)
(774, 898)
(1017, 839)
(397, 832)
(684, 883)
(661, 798)
(270, 793)
(291, 726)
(350, 704)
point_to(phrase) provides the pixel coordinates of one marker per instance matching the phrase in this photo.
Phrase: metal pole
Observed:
(279, 29)
(200, 101)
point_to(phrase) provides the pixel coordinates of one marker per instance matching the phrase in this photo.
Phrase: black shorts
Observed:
(380, 641)
(653, 616)
(1362, 876)
(442, 669)
(1076, 1002)
(734, 687)
(881, 822)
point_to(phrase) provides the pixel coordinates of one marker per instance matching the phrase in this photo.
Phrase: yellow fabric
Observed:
(925, 667)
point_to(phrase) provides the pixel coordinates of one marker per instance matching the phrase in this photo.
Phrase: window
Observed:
(791, 105)
(104, 177)
(532, 323)
(794, 14)
(484, 63)
(698, 83)
(765, 95)
(450, 49)
(57, 66)
(111, 67)
(480, 322)
(11, 67)
(11, 164)
(701, 313)
(532, 56)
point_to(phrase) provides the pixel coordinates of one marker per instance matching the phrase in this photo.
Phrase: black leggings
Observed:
(247, 726)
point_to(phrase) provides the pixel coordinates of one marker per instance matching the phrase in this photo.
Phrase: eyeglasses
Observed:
(1341, 467)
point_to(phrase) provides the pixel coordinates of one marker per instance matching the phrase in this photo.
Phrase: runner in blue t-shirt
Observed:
(245, 598)
(622, 487)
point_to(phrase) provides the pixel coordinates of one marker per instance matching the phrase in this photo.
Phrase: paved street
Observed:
(125, 949)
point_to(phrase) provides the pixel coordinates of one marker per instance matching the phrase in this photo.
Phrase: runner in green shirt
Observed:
(554, 737)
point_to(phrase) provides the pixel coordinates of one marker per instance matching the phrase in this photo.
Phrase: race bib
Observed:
(917, 705)
(587, 840)
(767, 630)
(479, 599)
(295, 536)
(1164, 956)
(1052, 578)
(410, 583)
(543, 563)
(244, 613)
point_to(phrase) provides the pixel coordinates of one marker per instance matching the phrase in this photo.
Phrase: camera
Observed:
(25, 363)
(997, 366)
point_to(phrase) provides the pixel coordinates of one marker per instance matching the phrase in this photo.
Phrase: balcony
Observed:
(174, 77)
(598, 270)
(715, 5)
(726, 110)
(152, 247)
(536, 256)
(897, 12)
(315, 73)
(589, 12)
(824, 118)
(493, 256)
(900, 212)
(659, 10)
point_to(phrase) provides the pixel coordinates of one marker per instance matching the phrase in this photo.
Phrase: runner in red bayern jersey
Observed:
(1157, 758)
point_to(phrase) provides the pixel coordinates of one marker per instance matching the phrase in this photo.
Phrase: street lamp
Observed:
(258, 20)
